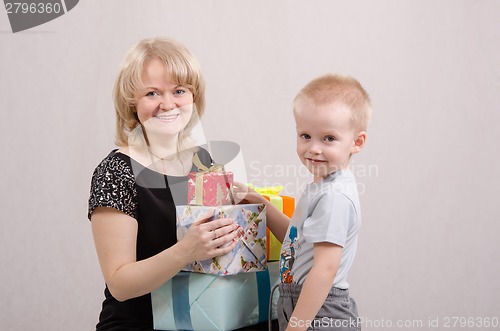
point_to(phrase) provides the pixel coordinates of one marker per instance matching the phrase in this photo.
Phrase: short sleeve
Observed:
(113, 185)
(330, 219)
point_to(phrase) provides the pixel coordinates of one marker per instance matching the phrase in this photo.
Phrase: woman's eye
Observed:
(182, 90)
(151, 94)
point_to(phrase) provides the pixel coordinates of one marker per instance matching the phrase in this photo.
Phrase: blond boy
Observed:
(319, 242)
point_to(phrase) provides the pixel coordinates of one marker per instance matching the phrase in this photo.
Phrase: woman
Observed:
(159, 96)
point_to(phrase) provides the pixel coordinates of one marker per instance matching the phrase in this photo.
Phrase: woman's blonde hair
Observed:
(334, 88)
(179, 63)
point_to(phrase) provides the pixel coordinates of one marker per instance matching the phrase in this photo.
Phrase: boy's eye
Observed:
(305, 136)
(330, 138)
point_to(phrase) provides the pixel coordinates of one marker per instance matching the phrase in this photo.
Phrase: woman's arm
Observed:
(317, 285)
(115, 236)
(276, 220)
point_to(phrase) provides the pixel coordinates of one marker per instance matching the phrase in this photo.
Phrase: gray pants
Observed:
(339, 311)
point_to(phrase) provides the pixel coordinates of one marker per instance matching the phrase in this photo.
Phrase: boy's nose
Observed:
(314, 149)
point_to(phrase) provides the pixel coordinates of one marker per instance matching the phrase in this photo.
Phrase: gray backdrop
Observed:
(429, 177)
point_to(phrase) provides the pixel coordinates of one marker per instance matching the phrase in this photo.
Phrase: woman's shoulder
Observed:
(115, 162)
(113, 185)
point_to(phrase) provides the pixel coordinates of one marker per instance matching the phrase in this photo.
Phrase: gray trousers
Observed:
(339, 311)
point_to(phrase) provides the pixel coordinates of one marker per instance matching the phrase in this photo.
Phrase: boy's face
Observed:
(326, 137)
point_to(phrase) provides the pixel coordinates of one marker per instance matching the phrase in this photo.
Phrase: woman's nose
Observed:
(167, 102)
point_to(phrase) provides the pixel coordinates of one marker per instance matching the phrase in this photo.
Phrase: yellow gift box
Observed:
(286, 205)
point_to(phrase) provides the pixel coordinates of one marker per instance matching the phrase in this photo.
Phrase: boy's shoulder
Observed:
(339, 185)
(342, 181)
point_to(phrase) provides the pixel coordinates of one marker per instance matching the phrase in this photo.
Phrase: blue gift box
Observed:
(250, 252)
(194, 301)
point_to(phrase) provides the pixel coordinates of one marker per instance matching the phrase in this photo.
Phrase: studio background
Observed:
(428, 176)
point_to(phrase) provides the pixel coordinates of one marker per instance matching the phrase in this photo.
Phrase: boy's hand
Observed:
(245, 194)
(276, 220)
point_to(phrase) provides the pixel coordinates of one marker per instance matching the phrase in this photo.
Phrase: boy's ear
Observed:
(359, 142)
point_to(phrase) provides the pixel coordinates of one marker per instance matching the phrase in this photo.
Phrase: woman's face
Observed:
(163, 106)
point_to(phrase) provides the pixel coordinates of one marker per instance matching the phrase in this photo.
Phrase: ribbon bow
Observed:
(269, 190)
(203, 168)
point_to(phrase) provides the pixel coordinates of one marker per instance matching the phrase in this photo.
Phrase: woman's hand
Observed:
(207, 238)
(115, 236)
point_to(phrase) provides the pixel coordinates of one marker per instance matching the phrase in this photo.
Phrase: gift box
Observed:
(285, 204)
(210, 186)
(193, 301)
(250, 251)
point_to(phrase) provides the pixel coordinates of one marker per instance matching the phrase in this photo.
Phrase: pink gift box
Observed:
(211, 188)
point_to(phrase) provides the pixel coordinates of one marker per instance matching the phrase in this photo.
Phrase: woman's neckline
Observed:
(150, 169)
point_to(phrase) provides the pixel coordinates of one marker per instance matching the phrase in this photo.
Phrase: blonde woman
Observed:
(158, 96)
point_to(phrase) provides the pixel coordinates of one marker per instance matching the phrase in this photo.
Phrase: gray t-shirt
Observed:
(327, 211)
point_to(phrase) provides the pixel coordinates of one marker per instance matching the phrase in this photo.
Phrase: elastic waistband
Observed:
(293, 290)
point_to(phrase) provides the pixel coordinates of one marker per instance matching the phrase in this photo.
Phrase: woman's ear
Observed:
(359, 142)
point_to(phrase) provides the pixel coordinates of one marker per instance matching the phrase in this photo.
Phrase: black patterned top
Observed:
(113, 185)
(149, 197)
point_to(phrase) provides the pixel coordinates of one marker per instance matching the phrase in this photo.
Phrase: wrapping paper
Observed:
(192, 301)
(284, 203)
(210, 186)
(250, 252)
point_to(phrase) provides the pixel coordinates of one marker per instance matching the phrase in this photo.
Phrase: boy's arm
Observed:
(276, 220)
(316, 286)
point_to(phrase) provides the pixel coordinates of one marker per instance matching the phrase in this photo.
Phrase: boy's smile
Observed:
(325, 137)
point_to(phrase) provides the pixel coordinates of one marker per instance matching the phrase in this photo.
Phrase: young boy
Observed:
(319, 243)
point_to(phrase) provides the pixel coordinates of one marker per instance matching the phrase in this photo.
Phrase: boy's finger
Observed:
(240, 187)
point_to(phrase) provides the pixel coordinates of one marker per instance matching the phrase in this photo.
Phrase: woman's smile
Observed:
(166, 118)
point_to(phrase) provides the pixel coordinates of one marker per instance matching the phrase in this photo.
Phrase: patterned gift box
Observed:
(250, 251)
(286, 205)
(192, 301)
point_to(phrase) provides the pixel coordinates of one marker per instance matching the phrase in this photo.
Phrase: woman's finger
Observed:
(205, 217)
(228, 229)
(219, 223)
(221, 250)
(226, 239)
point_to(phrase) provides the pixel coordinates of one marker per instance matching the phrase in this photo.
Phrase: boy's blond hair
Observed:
(345, 90)
(179, 62)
